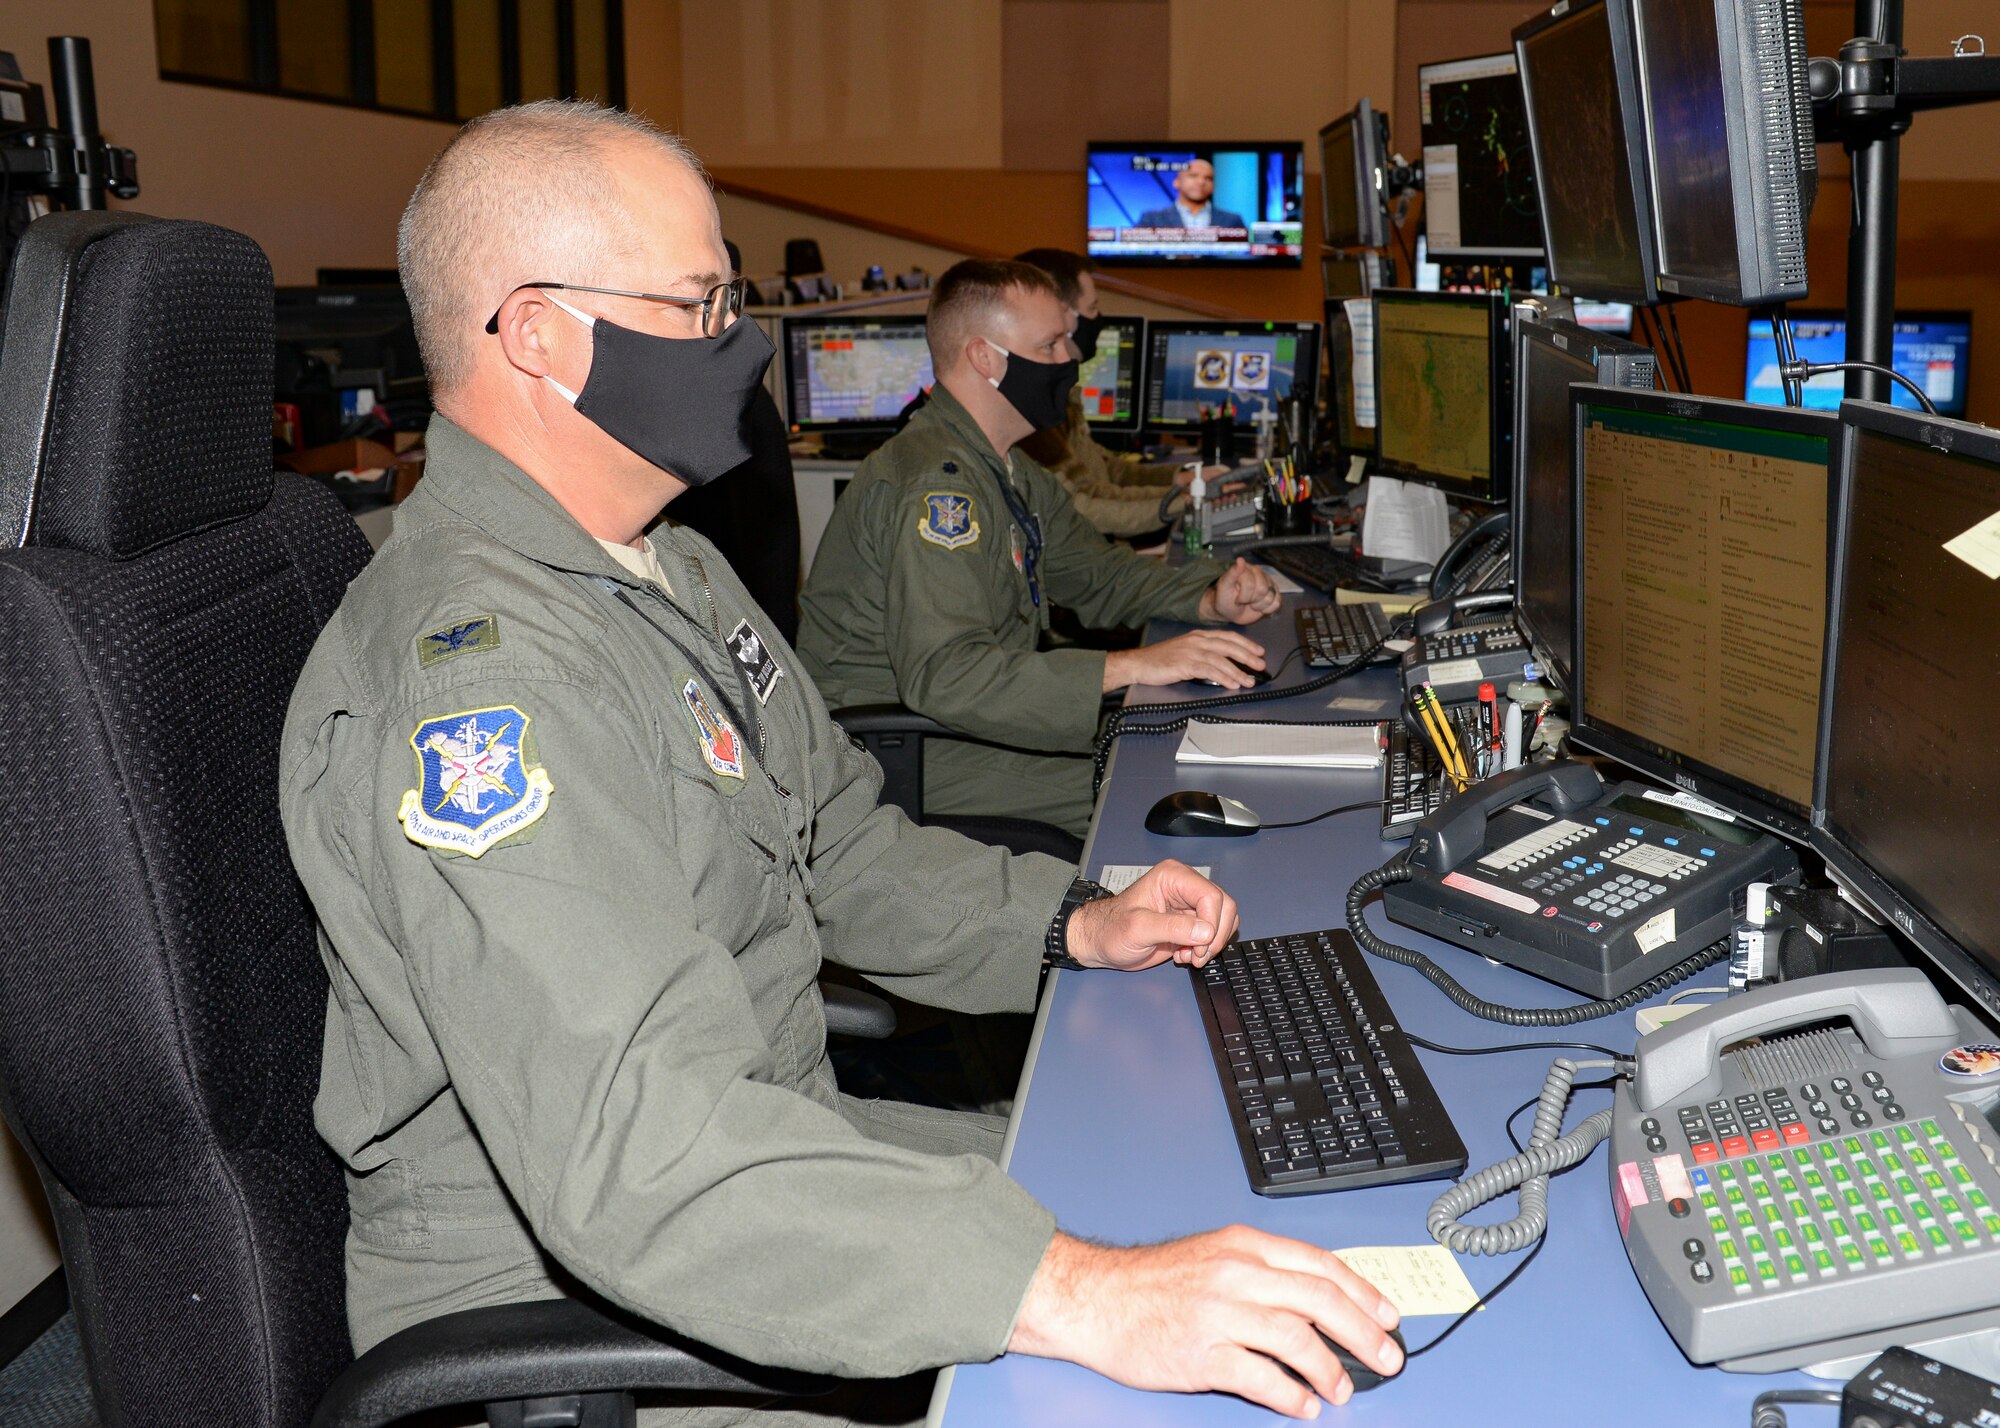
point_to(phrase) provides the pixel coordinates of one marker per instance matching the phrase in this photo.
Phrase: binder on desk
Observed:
(1297, 746)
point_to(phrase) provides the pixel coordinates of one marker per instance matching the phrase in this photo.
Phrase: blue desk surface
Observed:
(1121, 1129)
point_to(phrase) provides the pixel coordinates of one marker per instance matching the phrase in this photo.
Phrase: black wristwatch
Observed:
(1055, 950)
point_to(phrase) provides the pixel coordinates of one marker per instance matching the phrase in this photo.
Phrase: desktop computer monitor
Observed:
(1110, 383)
(1192, 367)
(1351, 413)
(1443, 411)
(1581, 90)
(1909, 761)
(1353, 153)
(1550, 357)
(852, 373)
(1255, 196)
(1479, 169)
(1703, 529)
(1932, 349)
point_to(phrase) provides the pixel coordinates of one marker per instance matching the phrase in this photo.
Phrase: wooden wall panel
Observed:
(1076, 70)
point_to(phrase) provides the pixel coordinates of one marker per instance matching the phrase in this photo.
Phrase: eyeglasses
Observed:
(720, 305)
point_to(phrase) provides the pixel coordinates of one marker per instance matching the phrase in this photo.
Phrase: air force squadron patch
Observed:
(721, 745)
(474, 785)
(947, 520)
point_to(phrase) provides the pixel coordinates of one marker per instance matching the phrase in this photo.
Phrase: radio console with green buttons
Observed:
(1805, 1174)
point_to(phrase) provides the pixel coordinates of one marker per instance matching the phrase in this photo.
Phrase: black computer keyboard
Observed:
(1331, 635)
(1320, 567)
(1324, 1092)
(1414, 785)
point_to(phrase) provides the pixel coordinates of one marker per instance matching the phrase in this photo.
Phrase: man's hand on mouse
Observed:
(1221, 656)
(1217, 1311)
(1170, 912)
(1242, 596)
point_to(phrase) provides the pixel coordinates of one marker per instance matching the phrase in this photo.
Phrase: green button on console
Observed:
(1824, 1261)
(1933, 1180)
(1739, 1277)
(1795, 1266)
(1930, 1128)
(1853, 1196)
(1783, 1236)
(1814, 1179)
(1747, 1219)
(1726, 1245)
(1938, 1236)
(1810, 1231)
(1909, 1243)
(1906, 1135)
(1949, 1206)
(1838, 1226)
(1878, 1248)
(1754, 1242)
(1767, 1272)
(1879, 1139)
(1967, 1231)
(1851, 1252)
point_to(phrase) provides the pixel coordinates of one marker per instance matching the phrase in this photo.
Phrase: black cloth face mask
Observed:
(683, 404)
(1039, 391)
(1085, 335)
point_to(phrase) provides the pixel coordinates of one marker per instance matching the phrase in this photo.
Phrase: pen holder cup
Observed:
(1287, 518)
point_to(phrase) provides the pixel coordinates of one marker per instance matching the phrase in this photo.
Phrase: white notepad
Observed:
(1284, 745)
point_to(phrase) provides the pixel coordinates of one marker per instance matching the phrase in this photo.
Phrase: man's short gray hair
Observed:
(519, 195)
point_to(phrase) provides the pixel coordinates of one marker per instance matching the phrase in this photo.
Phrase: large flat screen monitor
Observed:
(1729, 145)
(1235, 204)
(1549, 358)
(1580, 85)
(1197, 368)
(853, 373)
(1112, 381)
(1479, 169)
(1703, 534)
(1932, 349)
(1442, 413)
(1909, 759)
(1352, 156)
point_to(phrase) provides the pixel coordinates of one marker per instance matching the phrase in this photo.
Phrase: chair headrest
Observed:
(135, 383)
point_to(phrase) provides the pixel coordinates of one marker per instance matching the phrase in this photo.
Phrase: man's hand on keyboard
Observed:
(1216, 1311)
(1170, 912)
(1217, 655)
(1242, 596)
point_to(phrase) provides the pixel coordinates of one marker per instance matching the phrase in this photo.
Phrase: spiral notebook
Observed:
(1297, 746)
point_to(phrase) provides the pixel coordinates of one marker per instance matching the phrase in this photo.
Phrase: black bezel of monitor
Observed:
(1618, 20)
(1727, 791)
(1976, 970)
(1360, 133)
(1334, 329)
(1500, 399)
(1137, 327)
(1158, 329)
(1525, 511)
(1194, 259)
(789, 324)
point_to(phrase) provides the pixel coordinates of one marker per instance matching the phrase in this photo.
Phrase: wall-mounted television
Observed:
(1228, 204)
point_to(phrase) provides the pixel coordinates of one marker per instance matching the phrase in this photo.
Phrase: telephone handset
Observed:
(1595, 887)
(1804, 1174)
(1477, 560)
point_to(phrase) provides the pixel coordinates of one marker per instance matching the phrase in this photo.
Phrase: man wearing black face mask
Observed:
(931, 586)
(1119, 497)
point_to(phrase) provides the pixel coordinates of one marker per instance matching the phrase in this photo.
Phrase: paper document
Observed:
(1361, 326)
(1297, 746)
(1284, 583)
(1980, 547)
(1404, 521)
(1441, 196)
(1417, 1279)
(1117, 877)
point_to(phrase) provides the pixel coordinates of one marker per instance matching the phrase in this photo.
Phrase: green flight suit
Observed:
(577, 848)
(918, 596)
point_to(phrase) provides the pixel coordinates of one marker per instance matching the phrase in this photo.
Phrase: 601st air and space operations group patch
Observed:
(474, 786)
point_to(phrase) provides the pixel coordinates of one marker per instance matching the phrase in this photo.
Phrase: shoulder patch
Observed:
(721, 745)
(475, 784)
(947, 520)
(482, 632)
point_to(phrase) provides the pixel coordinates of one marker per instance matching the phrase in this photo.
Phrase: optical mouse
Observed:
(1257, 676)
(1191, 813)
(1359, 1374)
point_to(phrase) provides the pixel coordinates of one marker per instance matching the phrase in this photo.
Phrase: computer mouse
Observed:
(1192, 813)
(1257, 676)
(1359, 1374)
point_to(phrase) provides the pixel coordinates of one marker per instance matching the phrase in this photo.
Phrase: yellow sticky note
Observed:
(1980, 547)
(1417, 1279)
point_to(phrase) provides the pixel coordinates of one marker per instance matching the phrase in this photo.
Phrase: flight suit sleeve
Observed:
(1108, 584)
(609, 1053)
(961, 635)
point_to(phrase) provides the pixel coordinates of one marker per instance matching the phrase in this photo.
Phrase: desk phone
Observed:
(1455, 662)
(1595, 888)
(1804, 1174)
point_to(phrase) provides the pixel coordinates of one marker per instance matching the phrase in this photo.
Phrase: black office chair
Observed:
(161, 996)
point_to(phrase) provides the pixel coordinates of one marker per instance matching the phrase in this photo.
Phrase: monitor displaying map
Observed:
(853, 372)
(1479, 168)
(1195, 370)
(1437, 386)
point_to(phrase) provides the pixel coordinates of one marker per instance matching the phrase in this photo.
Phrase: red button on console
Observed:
(1764, 1139)
(1796, 1134)
(1735, 1145)
(1704, 1151)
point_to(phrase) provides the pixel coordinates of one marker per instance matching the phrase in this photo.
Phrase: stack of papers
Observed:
(1295, 746)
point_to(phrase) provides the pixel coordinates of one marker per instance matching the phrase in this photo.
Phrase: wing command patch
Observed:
(947, 520)
(474, 786)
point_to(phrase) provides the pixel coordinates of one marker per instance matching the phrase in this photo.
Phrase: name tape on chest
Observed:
(476, 781)
(948, 520)
(757, 660)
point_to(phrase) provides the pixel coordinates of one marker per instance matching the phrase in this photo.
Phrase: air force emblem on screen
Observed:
(474, 787)
(947, 520)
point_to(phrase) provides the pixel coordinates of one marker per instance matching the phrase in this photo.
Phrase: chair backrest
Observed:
(161, 995)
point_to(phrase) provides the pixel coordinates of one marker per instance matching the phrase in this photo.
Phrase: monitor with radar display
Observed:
(853, 373)
(1550, 357)
(1352, 155)
(1932, 349)
(1109, 383)
(1703, 529)
(1229, 204)
(1909, 761)
(1442, 405)
(1580, 86)
(1729, 145)
(1479, 169)
(1201, 368)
